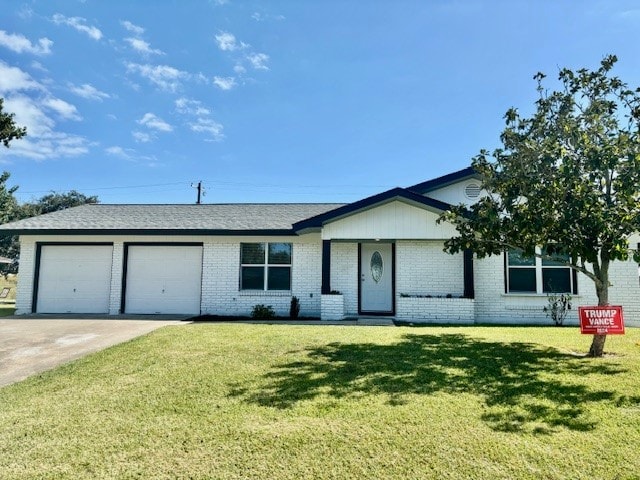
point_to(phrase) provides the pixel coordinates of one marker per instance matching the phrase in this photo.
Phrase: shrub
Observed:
(558, 307)
(294, 308)
(263, 312)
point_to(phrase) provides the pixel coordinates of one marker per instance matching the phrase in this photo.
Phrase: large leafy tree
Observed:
(8, 128)
(566, 178)
(52, 202)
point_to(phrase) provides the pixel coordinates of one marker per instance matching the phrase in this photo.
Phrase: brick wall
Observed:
(344, 274)
(422, 268)
(24, 292)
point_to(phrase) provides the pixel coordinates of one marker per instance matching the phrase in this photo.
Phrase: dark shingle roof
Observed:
(188, 219)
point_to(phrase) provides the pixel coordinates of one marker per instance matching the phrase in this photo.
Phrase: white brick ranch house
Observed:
(383, 254)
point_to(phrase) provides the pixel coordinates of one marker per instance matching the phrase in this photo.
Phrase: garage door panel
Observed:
(163, 279)
(74, 279)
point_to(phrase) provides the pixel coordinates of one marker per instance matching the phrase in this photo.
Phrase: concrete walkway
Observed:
(30, 345)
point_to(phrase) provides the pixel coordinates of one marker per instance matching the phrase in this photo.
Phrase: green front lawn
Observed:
(236, 401)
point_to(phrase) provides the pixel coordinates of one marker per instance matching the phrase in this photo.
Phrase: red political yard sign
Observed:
(601, 320)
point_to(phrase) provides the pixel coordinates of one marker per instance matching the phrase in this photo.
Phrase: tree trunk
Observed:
(602, 290)
(597, 346)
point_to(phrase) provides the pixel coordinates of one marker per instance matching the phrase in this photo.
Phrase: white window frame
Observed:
(266, 265)
(539, 267)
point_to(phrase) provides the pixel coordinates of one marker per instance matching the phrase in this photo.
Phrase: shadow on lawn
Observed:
(521, 383)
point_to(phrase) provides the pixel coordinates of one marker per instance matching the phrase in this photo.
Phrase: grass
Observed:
(8, 305)
(236, 401)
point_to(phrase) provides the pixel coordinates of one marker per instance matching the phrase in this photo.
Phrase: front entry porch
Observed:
(405, 280)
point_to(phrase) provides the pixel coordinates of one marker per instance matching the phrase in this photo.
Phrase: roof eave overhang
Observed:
(140, 231)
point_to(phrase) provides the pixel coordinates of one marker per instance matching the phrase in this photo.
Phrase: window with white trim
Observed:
(537, 275)
(265, 266)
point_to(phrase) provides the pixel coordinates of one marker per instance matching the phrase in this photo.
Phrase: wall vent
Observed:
(472, 190)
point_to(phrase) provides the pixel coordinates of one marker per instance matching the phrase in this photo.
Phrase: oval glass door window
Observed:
(377, 267)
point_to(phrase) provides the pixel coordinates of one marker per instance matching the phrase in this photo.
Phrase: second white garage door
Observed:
(163, 279)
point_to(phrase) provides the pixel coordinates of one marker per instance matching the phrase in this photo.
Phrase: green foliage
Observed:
(8, 129)
(558, 306)
(294, 308)
(566, 177)
(263, 312)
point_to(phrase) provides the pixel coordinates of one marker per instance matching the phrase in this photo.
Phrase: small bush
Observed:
(263, 312)
(294, 308)
(558, 307)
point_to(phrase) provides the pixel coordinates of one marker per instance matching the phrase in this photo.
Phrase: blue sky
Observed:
(279, 101)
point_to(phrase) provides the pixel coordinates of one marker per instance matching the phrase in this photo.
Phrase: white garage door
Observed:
(163, 279)
(74, 279)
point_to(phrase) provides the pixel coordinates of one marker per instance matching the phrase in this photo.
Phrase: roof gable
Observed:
(397, 193)
(444, 181)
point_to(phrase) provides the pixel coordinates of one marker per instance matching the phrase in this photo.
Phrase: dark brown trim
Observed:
(393, 282)
(575, 281)
(38, 258)
(467, 266)
(505, 272)
(326, 267)
(125, 264)
(359, 277)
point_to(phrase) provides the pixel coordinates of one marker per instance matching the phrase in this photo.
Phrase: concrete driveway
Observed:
(33, 345)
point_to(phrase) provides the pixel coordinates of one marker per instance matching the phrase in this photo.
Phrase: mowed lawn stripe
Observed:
(238, 401)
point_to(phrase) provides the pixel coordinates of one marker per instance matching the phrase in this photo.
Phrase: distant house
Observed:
(382, 255)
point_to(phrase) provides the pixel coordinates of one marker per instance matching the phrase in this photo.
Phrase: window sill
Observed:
(264, 293)
(534, 295)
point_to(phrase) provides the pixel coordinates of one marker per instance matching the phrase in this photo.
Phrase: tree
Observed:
(566, 179)
(52, 202)
(8, 129)
(55, 201)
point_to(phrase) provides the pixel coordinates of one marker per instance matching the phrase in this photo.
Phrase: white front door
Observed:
(376, 278)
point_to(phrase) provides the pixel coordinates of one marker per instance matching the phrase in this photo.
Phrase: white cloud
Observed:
(262, 17)
(141, 137)
(227, 42)
(219, 2)
(200, 118)
(224, 83)
(208, 126)
(142, 47)
(154, 122)
(64, 109)
(29, 114)
(258, 60)
(38, 66)
(239, 69)
(131, 27)
(42, 141)
(192, 107)
(165, 77)
(79, 24)
(12, 79)
(88, 91)
(118, 151)
(20, 43)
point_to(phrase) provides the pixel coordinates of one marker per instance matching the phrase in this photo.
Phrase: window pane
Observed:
(560, 260)
(522, 280)
(279, 278)
(516, 258)
(252, 278)
(252, 253)
(556, 280)
(280, 253)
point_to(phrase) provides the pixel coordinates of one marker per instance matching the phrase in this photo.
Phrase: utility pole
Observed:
(198, 186)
